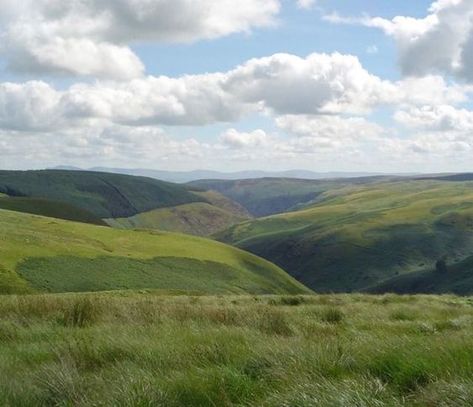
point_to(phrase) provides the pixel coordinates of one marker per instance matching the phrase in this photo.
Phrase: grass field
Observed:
(359, 236)
(132, 349)
(45, 254)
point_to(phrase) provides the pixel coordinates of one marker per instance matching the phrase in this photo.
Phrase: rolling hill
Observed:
(358, 236)
(199, 218)
(49, 208)
(103, 195)
(119, 201)
(269, 196)
(49, 255)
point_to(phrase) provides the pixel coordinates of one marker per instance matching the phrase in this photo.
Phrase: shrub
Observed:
(293, 300)
(80, 313)
(274, 322)
(332, 316)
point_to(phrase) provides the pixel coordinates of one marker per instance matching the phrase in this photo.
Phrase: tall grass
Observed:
(132, 349)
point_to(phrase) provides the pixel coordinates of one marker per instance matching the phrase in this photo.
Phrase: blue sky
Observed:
(340, 85)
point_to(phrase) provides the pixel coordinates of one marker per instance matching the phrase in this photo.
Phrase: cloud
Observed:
(280, 84)
(234, 139)
(319, 83)
(93, 37)
(332, 132)
(442, 118)
(305, 4)
(440, 42)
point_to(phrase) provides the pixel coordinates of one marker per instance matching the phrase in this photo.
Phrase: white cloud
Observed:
(443, 118)
(319, 83)
(238, 140)
(441, 42)
(281, 84)
(305, 4)
(92, 37)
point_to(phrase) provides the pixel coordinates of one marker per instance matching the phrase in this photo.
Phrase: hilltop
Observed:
(50, 255)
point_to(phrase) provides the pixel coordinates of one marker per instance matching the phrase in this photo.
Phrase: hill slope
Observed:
(456, 279)
(53, 209)
(269, 196)
(103, 195)
(199, 218)
(44, 254)
(357, 237)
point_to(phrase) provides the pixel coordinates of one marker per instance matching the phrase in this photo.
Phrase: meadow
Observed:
(149, 349)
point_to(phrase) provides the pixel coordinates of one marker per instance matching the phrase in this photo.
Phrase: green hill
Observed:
(49, 255)
(103, 195)
(268, 196)
(199, 218)
(53, 209)
(457, 278)
(358, 236)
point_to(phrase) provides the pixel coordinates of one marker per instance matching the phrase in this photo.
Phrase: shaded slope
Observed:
(457, 279)
(104, 195)
(359, 236)
(39, 253)
(53, 209)
(200, 219)
(268, 196)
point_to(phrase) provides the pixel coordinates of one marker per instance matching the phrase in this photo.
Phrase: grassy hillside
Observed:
(45, 254)
(145, 350)
(200, 219)
(456, 278)
(268, 196)
(103, 195)
(53, 209)
(357, 237)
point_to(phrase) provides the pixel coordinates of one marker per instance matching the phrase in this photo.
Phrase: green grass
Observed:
(45, 254)
(103, 194)
(200, 219)
(49, 208)
(132, 349)
(359, 236)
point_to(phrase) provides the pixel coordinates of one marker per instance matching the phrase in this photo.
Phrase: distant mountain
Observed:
(188, 176)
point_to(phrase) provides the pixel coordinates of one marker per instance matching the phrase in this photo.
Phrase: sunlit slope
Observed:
(198, 218)
(359, 236)
(45, 254)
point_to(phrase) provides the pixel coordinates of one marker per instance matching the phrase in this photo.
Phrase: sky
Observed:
(322, 85)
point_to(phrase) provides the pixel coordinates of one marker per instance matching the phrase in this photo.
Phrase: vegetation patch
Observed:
(126, 349)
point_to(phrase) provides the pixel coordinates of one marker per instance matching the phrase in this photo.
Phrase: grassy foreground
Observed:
(142, 349)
